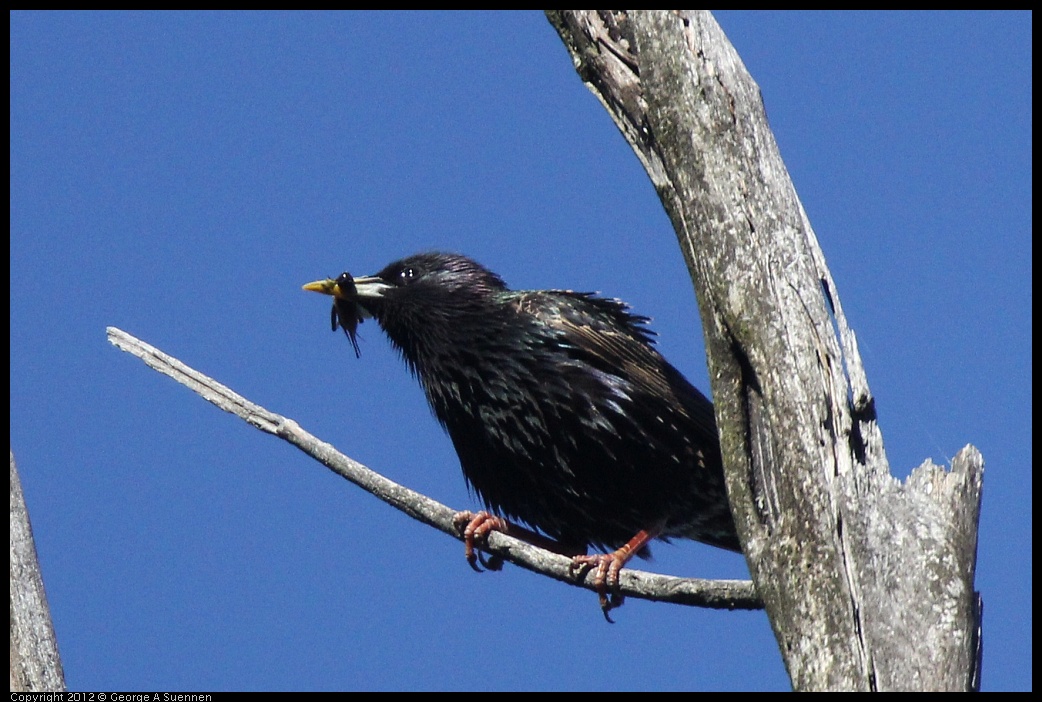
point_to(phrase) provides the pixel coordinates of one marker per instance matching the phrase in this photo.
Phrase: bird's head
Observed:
(415, 300)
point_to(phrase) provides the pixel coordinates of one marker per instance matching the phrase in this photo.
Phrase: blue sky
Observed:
(180, 176)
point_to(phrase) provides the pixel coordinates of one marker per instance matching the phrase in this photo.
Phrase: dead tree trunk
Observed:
(868, 581)
(35, 664)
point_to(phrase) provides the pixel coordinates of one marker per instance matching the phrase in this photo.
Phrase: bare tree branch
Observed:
(868, 582)
(715, 594)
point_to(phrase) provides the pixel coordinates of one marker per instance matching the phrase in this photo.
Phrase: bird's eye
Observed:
(407, 275)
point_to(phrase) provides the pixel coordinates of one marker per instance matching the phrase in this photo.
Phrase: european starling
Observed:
(564, 415)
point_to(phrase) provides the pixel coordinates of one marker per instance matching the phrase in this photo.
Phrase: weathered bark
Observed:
(868, 581)
(35, 664)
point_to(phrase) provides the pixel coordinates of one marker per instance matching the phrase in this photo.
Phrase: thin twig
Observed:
(716, 594)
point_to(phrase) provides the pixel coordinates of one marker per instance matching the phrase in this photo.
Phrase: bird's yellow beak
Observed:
(326, 287)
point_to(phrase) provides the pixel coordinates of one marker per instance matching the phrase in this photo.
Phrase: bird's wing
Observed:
(605, 334)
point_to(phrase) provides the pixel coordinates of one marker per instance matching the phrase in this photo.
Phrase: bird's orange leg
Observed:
(608, 565)
(475, 528)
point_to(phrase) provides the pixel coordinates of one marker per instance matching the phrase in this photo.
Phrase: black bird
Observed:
(564, 415)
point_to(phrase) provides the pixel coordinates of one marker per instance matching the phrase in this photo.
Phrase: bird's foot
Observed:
(608, 565)
(605, 577)
(475, 528)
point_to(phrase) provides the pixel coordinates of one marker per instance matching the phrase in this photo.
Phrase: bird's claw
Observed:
(475, 529)
(605, 578)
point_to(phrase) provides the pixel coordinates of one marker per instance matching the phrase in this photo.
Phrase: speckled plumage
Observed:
(563, 414)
